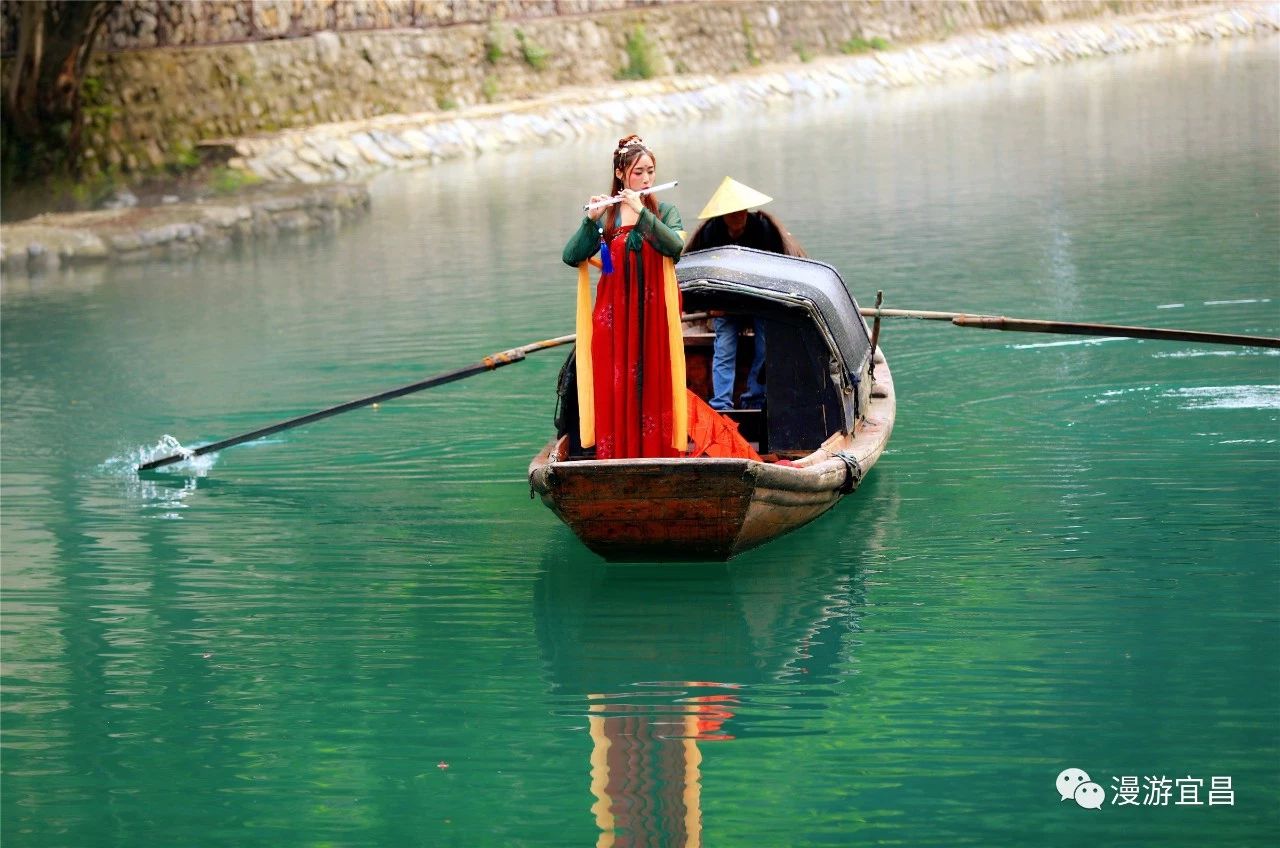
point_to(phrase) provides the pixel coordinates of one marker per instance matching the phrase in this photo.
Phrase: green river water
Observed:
(365, 633)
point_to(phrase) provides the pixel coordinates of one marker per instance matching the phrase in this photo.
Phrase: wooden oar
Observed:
(1029, 325)
(489, 363)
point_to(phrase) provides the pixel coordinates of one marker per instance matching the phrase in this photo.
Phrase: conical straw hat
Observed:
(732, 196)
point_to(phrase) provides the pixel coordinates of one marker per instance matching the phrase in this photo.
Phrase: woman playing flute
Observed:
(632, 397)
(631, 384)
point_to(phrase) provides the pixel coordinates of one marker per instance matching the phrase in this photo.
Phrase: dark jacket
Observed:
(762, 232)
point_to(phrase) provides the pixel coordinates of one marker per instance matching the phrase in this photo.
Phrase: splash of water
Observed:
(164, 498)
(196, 466)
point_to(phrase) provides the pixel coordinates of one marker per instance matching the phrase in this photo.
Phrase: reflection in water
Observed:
(646, 780)
(663, 659)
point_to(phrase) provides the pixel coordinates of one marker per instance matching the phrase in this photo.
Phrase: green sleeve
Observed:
(663, 233)
(583, 244)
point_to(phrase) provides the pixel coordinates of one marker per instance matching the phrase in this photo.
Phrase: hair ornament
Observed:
(628, 144)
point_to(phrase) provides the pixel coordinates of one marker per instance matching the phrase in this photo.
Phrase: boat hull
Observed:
(684, 508)
(706, 509)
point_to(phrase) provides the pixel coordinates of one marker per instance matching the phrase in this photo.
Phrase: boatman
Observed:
(727, 221)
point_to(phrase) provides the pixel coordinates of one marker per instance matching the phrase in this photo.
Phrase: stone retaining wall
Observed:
(148, 109)
(356, 149)
(144, 24)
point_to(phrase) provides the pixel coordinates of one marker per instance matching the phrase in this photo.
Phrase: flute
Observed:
(591, 207)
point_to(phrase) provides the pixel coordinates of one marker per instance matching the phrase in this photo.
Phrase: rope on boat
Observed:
(852, 472)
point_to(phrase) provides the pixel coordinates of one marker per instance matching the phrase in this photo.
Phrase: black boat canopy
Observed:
(787, 281)
(813, 327)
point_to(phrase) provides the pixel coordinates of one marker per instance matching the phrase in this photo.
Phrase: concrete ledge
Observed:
(53, 241)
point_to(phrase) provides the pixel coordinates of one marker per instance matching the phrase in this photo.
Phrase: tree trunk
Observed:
(42, 118)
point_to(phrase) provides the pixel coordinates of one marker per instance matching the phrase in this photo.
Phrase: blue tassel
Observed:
(606, 261)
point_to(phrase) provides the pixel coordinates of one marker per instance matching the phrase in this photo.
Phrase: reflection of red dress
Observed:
(631, 357)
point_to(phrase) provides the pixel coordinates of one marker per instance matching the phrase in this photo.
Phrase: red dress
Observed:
(632, 360)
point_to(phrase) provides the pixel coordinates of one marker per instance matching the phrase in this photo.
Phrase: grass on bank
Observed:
(641, 61)
(857, 44)
(535, 55)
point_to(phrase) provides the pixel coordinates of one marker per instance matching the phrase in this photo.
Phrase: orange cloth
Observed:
(714, 434)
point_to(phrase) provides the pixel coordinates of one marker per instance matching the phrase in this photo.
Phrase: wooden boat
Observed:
(830, 408)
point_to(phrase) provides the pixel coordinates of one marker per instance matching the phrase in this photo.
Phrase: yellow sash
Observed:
(586, 384)
(675, 338)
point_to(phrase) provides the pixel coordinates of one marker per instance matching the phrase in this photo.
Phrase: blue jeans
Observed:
(724, 363)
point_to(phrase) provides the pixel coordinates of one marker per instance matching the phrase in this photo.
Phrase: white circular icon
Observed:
(1070, 780)
(1090, 796)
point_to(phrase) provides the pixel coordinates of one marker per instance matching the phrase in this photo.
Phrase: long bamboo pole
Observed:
(1031, 325)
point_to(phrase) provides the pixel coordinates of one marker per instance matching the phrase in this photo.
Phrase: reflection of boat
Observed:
(830, 408)
(661, 661)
